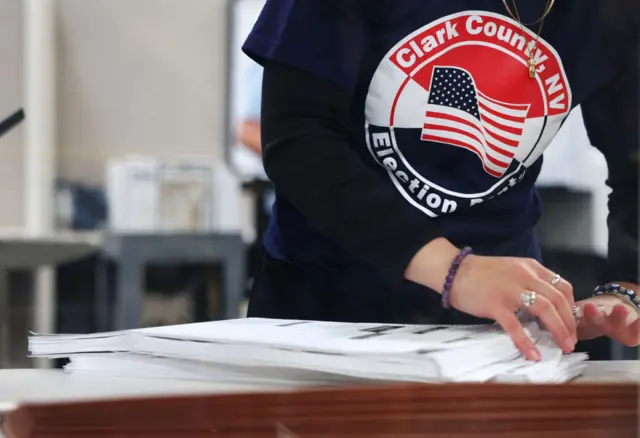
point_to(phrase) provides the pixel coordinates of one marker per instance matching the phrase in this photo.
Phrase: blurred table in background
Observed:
(19, 251)
(134, 252)
(131, 253)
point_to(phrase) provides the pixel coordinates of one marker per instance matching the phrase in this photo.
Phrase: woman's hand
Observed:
(609, 316)
(491, 287)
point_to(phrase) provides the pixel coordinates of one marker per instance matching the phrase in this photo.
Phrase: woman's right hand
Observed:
(491, 287)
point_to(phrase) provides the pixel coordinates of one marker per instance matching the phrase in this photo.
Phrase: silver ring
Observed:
(576, 311)
(555, 280)
(528, 299)
(576, 314)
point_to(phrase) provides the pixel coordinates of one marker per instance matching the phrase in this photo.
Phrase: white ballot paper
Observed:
(311, 353)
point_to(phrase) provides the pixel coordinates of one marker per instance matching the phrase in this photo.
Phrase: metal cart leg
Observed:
(128, 308)
(5, 350)
(233, 281)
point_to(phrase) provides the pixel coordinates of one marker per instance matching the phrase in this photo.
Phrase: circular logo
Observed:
(453, 114)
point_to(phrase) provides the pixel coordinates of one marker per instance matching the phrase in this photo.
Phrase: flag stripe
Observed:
(458, 134)
(497, 173)
(446, 120)
(498, 119)
(437, 123)
(492, 154)
(462, 126)
(509, 153)
(450, 138)
(505, 144)
(439, 109)
(461, 116)
(517, 114)
(514, 106)
(502, 134)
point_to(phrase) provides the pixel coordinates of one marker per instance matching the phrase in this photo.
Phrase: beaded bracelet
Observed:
(618, 291)
(453, 270)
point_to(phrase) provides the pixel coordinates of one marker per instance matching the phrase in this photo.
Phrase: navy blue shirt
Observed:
(444, 108)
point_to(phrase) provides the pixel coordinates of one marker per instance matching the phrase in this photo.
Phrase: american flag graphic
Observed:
(461, 115)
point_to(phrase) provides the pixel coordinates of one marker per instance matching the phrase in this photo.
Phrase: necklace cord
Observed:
(516, 16)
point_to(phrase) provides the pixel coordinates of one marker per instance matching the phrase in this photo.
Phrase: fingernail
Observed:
(569, 344)
(534, 355)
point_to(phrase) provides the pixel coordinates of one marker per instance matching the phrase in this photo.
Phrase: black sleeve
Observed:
(611, 118)
(308, 158)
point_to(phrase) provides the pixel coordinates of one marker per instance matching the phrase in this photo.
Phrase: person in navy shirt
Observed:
(400, 133)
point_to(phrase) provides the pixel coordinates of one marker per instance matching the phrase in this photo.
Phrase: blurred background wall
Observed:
(135, 76)
(11, 83)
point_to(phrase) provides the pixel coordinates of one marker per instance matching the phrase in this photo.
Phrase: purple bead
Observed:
(453, 270)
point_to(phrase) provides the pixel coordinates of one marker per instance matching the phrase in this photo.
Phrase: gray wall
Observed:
(11, 165)
(135, 76)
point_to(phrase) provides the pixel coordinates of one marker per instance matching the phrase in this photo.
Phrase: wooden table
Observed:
(610, 392)
(53, 386)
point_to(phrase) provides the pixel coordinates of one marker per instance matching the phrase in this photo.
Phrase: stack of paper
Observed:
(309, 352)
